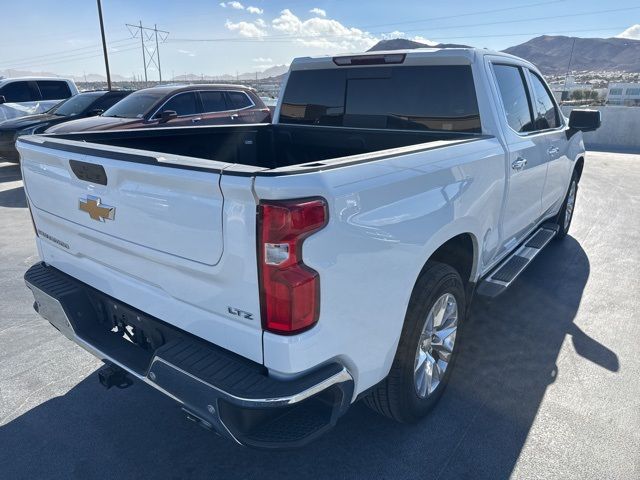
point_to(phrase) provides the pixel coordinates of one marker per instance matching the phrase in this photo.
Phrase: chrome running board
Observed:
(505, 273)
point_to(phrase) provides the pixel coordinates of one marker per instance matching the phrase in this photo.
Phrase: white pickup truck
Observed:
(268, 276)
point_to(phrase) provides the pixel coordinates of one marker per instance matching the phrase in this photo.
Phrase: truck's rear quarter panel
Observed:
(385, 218)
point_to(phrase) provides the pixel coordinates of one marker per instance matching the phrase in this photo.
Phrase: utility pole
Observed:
(144, 60)
(104, 46)
(145, 38)
(566, 76)
(155, 29)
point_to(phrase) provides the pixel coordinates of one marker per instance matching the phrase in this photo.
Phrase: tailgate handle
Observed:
(89, 172)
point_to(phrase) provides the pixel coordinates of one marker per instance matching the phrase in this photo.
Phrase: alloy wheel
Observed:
(571, 201)
(435, 345)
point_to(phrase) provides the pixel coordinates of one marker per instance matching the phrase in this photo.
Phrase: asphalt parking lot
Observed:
(547, 385)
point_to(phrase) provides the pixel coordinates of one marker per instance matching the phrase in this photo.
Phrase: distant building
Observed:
(564, 90)
(627, 94)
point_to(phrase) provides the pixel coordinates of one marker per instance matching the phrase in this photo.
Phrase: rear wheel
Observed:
(427, 349)
(566, 212)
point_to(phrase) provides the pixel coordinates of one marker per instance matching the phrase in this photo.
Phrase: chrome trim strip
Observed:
(340, 377)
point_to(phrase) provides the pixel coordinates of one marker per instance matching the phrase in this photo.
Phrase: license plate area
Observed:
(130, 325)
(122, 331)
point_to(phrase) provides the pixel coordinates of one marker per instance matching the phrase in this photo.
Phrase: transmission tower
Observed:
(150, 40)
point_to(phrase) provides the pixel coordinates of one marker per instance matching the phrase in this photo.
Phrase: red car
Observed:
(177, 106)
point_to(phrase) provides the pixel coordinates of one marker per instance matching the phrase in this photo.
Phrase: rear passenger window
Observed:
(406, 98)
(107, 101)
(213, 101)
(17, 92)
(54, 90)
(544, 107)
(515, 98)
(239, 100)
(183, 104)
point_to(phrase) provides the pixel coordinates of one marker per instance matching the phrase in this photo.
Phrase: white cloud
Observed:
(246, 29)
(632, 32)
(236, 5)
(256, 10)
(263, 60)
(323, 32)
(394, 34)
(416, 38)
(426, 41)
(187, 52)
(318, 11)
(261, 23)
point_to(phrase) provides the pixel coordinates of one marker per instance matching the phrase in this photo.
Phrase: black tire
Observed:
(562, 215)
(396, 396)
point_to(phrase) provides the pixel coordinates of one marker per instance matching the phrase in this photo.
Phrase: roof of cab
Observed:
(417, 56)
(32, 79)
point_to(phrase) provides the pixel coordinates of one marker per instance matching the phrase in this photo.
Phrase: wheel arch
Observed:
(459, 252)
(579, 167)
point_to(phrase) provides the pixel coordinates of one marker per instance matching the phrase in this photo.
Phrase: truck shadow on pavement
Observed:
(11, 197)
(477, 430)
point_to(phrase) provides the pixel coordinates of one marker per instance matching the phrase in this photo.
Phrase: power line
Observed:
(449, 27)
(83, 57)
(480, 12)
(62, 52)
(502, 22)
(519, 34)
(533, 33)
(60, 58)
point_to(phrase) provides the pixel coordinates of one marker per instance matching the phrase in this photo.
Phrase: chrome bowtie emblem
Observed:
(96, 210)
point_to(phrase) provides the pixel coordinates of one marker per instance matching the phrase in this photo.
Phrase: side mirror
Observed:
(167, 115)
(2, 99)
(585, 120)
(95, 112)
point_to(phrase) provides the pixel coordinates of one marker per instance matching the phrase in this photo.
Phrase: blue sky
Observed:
(214, 37)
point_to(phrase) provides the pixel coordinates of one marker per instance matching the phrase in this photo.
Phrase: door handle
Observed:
(553, 150)
(234, 116)
(197, 119)
(519, 164)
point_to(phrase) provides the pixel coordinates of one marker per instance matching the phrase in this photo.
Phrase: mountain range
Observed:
(402, 43)
(552, 53)
(270, 72)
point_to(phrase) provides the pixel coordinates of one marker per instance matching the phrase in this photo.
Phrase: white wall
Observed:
(620, 128)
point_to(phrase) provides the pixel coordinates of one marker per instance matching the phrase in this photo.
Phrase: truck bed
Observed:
(264, 145)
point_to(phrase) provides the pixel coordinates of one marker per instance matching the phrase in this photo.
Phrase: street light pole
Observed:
(104, 46)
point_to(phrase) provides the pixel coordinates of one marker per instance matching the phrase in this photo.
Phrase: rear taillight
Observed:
(290, 291)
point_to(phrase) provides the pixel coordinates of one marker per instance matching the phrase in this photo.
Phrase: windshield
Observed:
(134, 105)
(76, 104)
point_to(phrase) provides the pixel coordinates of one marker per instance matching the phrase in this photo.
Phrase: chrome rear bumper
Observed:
(215, 387)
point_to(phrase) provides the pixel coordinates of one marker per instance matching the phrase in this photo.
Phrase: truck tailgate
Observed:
(149, 235)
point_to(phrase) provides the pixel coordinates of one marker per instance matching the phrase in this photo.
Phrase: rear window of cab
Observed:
(438, 97)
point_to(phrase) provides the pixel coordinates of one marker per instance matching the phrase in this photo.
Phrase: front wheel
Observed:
(566, 212)
(427, 349)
